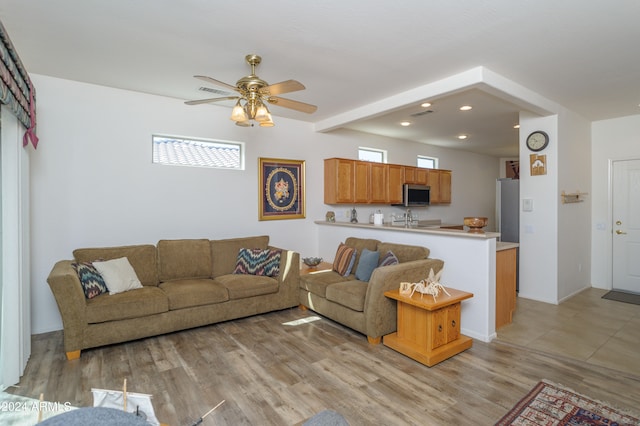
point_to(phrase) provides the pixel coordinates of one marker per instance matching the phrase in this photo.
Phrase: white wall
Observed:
(574, 220)
(538, 228)
(614, 139)
(93, 184)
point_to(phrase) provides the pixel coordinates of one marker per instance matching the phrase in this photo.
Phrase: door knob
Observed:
(619, 232)
(618, 223)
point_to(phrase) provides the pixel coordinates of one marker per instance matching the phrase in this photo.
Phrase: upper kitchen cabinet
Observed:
(440, 183)
(363, 182)
(339, 181)
(415, 175)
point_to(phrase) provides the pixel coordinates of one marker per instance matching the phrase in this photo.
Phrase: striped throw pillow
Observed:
(388, 259)
(344, 260)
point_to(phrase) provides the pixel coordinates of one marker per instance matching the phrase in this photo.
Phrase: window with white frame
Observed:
(178, 151)
(372, 154)
(427, 162)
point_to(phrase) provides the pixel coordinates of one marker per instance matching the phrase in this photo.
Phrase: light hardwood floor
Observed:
(281, 368)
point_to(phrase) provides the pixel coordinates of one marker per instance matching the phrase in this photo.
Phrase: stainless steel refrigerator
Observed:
(508, 209)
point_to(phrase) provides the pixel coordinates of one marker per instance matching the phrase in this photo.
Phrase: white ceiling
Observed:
(580, 54)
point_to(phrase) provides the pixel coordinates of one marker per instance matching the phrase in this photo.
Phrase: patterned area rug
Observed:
(552, 405)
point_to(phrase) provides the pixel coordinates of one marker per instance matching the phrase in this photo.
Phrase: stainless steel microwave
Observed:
(415, 195)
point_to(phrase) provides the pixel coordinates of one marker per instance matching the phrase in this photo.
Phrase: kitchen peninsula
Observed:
(469, 263)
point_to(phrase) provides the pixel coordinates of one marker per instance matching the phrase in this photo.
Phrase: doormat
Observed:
(622, 296)
(550, 404)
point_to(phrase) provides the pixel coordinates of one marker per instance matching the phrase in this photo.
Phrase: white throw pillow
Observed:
(118, 275)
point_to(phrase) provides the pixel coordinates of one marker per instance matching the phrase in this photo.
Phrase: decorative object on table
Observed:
(281, 189)
(405, 288)
(551, 404)
(312, 261)
(330, 217)
(476, 224)
(354, 215)
(538, 164)
(430, 285)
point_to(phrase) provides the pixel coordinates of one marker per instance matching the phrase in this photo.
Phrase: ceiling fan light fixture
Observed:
(262, 114)
(268, 122)
(238, 114)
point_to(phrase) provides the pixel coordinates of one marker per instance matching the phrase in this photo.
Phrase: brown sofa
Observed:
(185, 284)
(362, 305)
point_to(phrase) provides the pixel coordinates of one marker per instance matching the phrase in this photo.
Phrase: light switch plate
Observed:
(527, 205)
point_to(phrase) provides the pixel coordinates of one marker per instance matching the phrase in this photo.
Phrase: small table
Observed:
(322, 266)
(428, 331)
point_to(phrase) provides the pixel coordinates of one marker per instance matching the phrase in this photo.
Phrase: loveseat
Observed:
(357, 299)
(185, 283)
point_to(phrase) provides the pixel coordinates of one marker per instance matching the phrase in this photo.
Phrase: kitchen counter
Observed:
(434, 229)
(503, 245)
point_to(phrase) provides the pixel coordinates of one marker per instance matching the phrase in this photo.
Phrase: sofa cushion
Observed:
(92, 282)
(258, 262)
(368, 262)
(388, 259)
(140, 302)
(143, 258)
(317, 282)
(241, 286)
(360, 244)
(350, 294)
(180, 259)
(344, 259)
(225, 252)
(404, 252)
(194, 292)
(118, 275)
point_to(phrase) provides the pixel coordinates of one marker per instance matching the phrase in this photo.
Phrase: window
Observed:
(178, 151)
(427, 162)
(372, 154)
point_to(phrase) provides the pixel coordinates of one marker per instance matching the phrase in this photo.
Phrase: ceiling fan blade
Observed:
(282, 87)
(216, 82)
(288, 103)
(206, 101)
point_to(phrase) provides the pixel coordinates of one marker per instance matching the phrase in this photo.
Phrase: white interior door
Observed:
(626, 225)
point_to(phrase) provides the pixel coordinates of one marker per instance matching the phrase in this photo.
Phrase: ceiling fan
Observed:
(253, 95)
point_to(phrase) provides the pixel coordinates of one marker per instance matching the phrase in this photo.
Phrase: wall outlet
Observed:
(347, 214)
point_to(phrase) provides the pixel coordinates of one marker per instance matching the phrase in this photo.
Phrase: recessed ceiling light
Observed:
(405, 123)
(425, 104)
(466, 107)
(516, 126)
(462, 137)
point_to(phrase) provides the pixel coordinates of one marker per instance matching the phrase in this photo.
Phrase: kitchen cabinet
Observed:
(339, 181)
(415, 175)
(396, 178)
(363, 182)
(506, 275)
(440, 183)
(379, 177)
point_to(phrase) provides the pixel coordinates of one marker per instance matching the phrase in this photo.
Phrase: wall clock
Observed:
(537, 141)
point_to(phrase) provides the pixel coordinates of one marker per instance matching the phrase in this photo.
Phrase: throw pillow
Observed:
(258, 262)
(389, 259)
(344, 260)
(92, 282)
(367, 263)
(118, 275)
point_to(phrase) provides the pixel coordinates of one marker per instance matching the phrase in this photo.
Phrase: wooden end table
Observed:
(428, 331)
(322, 266)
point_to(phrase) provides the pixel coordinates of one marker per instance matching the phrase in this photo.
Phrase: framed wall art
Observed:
(281, 189)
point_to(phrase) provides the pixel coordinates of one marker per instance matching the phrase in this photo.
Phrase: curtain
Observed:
(16, 88)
